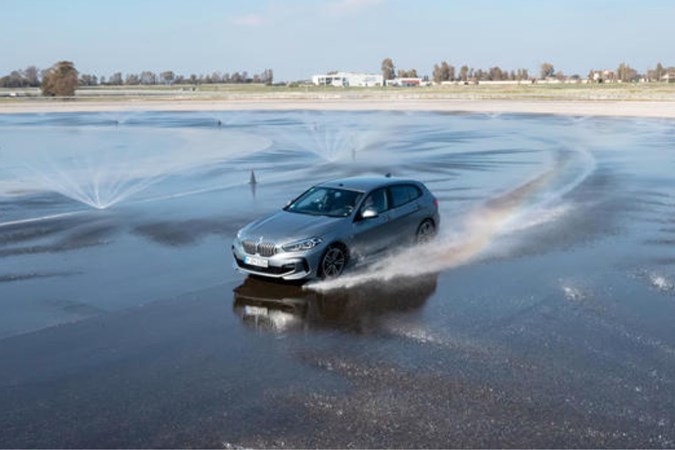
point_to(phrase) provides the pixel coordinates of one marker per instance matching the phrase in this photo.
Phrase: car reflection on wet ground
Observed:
(278, 307)
(540, 317)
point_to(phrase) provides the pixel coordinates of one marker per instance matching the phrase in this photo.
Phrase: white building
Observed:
(407, 82)
(345, 79)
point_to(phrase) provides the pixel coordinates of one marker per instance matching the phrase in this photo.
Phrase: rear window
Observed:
(403, 193)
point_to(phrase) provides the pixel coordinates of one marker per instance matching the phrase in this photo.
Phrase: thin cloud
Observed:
(346, 7)
(249, 20)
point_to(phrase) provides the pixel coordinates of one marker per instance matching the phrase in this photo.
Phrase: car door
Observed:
(372, 235)
(404, 211)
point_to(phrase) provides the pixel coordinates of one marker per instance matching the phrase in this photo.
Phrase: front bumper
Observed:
(285, 265)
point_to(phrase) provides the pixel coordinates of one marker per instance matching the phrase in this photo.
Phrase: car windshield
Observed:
(324, 201)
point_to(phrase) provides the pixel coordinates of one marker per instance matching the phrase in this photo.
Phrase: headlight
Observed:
(303, 245)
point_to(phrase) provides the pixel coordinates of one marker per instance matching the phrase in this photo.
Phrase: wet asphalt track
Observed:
(542, 318)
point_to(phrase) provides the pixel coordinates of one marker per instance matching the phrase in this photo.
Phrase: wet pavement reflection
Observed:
(276, 307)
(541, 316)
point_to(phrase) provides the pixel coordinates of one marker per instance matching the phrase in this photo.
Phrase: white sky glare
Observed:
(297, 38)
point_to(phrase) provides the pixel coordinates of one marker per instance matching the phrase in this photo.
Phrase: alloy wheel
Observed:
(333, 262)
(426, 232)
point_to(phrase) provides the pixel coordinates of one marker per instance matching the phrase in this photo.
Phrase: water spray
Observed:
(480, 228)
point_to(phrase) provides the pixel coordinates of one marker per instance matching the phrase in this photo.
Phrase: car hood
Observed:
(284, 226)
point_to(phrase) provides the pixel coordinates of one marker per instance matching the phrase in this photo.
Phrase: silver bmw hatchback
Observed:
(336, 224)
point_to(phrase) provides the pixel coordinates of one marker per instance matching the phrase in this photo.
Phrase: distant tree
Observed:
(387, 68)
(546, 70)
(464, 73)
(60, 80)
(626, 73)
(15, 79)
(436, 74)
(522, 74)
(495, 73)
(116, 79)
(444, 72)
(412, 73)
(167, 77)
(131, 79)
(180, 79)
(659, 72)
(32, 76)
(267, 76)
(148, 78)
(216, 77)
(88, 80)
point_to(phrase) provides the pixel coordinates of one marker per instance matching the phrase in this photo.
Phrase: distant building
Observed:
(407, 82)
(602, 76)
(346, 79)
(669, 77)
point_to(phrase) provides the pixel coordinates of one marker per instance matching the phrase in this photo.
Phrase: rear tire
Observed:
(333, 262)
(425, 232)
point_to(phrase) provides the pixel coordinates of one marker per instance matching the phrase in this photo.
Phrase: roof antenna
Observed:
(252, 180)
(388, 175)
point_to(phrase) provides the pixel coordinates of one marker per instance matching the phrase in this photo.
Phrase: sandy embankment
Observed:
(632, 108)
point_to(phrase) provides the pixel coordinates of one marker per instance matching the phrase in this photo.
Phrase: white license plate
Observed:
(255, 261)
(255, 310)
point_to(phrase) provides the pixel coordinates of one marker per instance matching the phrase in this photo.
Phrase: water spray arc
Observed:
(102, 174)
(528, 204)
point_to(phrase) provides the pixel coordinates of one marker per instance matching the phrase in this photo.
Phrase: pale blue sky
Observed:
(297, 38)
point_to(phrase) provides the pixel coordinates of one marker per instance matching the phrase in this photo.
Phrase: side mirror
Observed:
(369, 213)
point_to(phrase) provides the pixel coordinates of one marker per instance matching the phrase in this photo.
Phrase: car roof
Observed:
(366, 183)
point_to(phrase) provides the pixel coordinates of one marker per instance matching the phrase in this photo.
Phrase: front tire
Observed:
(425, 232)
(333, 262)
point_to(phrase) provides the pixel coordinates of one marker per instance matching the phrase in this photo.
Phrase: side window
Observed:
(403, 193)
(376, 200)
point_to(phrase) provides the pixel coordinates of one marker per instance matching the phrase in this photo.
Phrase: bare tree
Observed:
(147, 77)
(495, 73)
(88, 80)
(131, 79)
(444, 72)
(32, 76)
(60, 80)
(546, 70)
(167, 77)
(15, 79)
(412, 73)
(522, 74)
(116, 79)
(216, 77)
(387, 68)
(626, 73)
(464, 73)
(267, 76)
